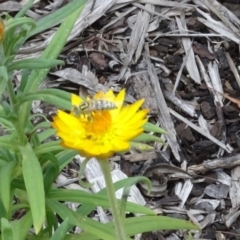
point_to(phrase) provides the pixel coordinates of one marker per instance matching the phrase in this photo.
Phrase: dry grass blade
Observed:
(190, 60)
(224, 14)
(164, 116)
(137, 39)
(198, 129)
(233, 68)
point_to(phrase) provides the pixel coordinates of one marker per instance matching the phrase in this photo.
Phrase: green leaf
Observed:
(33, 179)
(145, 137)
(87, 208)
(92, 199)
(64, 157)
(24, 9)
(7, 154)
(126, 190)
(52, 51)
(48, 147)
(61, 231)
(12, 24)
(55, 18)
(15, 33)
(55, 47)
(89, 225)
(3, 79)
(6, 230)
(3, 213)
(6, 173)
(33, 63)
(56, 97)
(51, 171)
(6, 142)
(141, 224)
(23, 81)
(52, 222)
(4, 121)
(149, 127)
(21, 227)
(46, 134)
(141, 146)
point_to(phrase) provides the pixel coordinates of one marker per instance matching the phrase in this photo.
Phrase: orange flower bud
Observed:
(1, 29)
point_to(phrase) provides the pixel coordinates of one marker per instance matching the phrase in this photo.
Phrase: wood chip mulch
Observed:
(183, 58)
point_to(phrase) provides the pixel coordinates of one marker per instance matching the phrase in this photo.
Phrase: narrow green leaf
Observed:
(126, 190)
(24, 9)
(65, 157)
(50, 171)
(149, 127)
(23, 81)
(33, 63)
(80, 174)
(12, 24)
(89, 225)
(83, 236)
(145, 137)
(7, 155)
(18, 184)
(4, 121)
(23, 25)
(141, 146)
(6, 173)
(12, 43)
(33, 179)
(48, 147)
(46, 134)
(61, 231)
(52, 222)
(8, 60)
(92, 199)
(21, 227)
(87, 208)
(41, 125)
(52, 51)
(6, 142)
(56, 17)
(3, 213)
(56, 97)
(3, 79)
(55, 47)
(143, 224)
(6, 230)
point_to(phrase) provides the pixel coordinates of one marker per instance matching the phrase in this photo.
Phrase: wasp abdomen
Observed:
(93, 105)
(103, 105)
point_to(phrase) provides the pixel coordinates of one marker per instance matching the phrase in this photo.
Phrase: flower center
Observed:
(97, 123)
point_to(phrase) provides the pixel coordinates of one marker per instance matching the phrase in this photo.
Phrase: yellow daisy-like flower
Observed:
(101, 133)
(1, 29)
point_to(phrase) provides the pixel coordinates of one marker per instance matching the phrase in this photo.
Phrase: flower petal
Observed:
(76, 100)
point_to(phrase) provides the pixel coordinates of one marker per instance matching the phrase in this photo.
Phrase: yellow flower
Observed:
(1, 29)
(101, 133)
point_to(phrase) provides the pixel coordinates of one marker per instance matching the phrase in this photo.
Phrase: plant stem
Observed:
(117, 220)
(12, 99)
(11, 94)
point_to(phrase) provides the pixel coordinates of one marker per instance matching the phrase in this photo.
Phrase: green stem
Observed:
(11, 94)
(17, 125)
(20, 133)
(117, 220)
